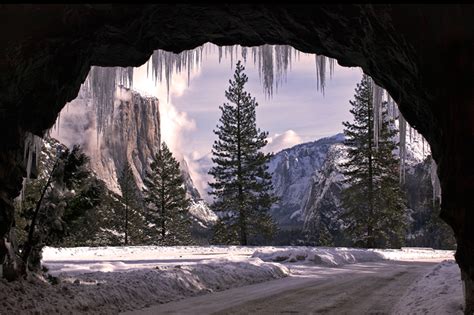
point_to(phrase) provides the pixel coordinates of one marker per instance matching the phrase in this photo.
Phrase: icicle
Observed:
(31, 156)
(320, 72)
(190, 61)
(331, 67)
(390, 107)
(423, 146)
(255, 55)
(266, 68)
(282, 60)
(402, 146)
(377, 94)
(435, 182)
(231, 52)
(244, 53)
(101, 82)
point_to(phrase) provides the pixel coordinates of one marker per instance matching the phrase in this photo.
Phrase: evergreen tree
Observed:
(63, 194)
(166, 201)
(131, 200)
(242, 186)
(374, 202)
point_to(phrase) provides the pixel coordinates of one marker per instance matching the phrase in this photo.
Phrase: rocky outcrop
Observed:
(132, 135)
(308, 179)
(293, 174)
(421, 54)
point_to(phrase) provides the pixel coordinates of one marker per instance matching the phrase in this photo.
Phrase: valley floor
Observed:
(242, 280)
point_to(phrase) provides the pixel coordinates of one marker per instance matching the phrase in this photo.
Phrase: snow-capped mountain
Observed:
(294, 174)
(308, 180)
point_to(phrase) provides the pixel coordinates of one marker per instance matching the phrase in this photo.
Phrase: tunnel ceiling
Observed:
(419, 54)
(50, 48)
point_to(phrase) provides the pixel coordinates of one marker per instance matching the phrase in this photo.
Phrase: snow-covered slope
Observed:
(293, 173)
(309, 181)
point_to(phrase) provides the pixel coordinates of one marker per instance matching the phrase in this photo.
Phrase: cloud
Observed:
(76, 125)
(175, 124)
(282, 141)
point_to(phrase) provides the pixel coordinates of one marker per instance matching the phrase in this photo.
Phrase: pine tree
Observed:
(242, 185)
(131, 200)
(64, 194)
(374, 202)
(166, 201)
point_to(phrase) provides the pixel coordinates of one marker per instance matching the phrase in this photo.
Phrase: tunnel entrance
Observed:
(408, 64)
(131, 133)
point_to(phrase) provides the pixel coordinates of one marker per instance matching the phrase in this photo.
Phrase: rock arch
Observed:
(422, 55)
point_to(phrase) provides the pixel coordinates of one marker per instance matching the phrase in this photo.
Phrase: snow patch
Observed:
(339, 256)
(438, 292)
(117, 285)
(332, 257)
(201, 211)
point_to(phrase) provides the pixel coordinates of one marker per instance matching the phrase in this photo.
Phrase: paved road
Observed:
(368, 288)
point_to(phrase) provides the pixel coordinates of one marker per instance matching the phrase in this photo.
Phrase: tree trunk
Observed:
(163, 227)
(126, 224)
(370, 237)
(242, 212)
(29, 242)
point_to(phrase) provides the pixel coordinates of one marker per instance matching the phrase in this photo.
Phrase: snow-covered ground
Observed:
(88, 259)
(113, 279)
(339, 256)
(438, 292)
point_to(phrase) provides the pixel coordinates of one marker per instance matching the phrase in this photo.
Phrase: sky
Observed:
(296, 113)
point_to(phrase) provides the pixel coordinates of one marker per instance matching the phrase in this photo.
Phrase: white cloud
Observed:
(282, 141)
(175, 124)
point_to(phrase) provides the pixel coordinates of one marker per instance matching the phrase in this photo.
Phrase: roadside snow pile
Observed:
(339, 256)
(142, 252)
(415, 253)
(438, 292)
(89, 259)
(326, 256)
(113, 292)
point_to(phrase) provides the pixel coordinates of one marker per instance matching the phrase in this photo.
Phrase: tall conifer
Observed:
(374, 202)
(242, 185)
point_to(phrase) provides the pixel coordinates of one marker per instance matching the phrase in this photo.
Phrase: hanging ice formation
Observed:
(31, 156)
(402, 125)
(101, 83)
(320, 62)
(377, 94)
(393, 113)
(272, 61)
(435, 182)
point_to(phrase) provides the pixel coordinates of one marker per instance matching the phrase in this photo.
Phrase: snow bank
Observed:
(112, 292)
(415, 253)
(339, 256)
(77, 260)
(325, 256)
(438, 292)
(143, 252)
